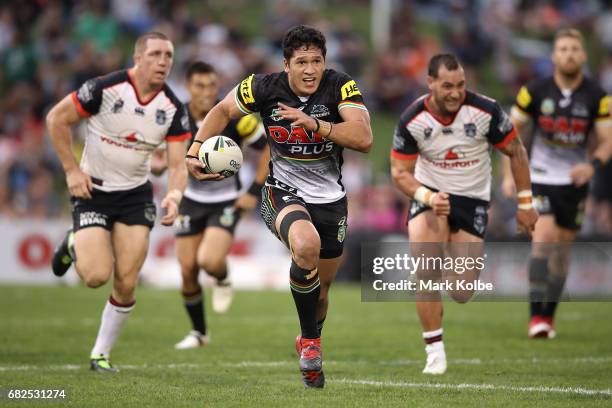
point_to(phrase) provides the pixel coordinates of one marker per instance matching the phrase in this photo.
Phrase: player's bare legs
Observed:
(94, 255)
(293, 225)
(212, 257)
(424, 230)
(547, 273)
(428, 228)
(186, 248)
(130, 245)
(466, 246)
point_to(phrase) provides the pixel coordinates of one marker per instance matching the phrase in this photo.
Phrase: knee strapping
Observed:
(303, 280)
(289, 219)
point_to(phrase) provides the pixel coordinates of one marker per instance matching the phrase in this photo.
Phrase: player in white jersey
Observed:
(441, 158)
(128, 113)
(564, 109)
(209, 212)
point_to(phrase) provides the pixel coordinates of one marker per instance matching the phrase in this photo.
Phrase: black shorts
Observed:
(468, 214)
(194, 217)
(329, 219)
(104, 209)
(566, 203)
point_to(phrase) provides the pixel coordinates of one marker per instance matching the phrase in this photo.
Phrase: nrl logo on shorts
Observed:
(480, 219)
(228, 217)
(342, 229)
(182, 223)
(149, 214)
(160, 117)
(470, 129)
(319, 111)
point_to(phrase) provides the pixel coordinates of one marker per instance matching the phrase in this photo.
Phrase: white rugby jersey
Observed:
(123, 130)
(453, 156)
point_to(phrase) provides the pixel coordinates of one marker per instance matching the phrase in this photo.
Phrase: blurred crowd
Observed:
(49, 47)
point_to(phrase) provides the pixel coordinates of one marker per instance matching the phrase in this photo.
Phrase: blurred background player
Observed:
(129, 113)
(564, 109)
(441, 159)
(310, 114)
(209, 212)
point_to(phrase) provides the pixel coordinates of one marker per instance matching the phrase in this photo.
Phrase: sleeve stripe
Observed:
(603, 122)
(239, 104)
(178, 138)
(351, 104)
(403, 156)
(521, 110)
(82, 112)
(506, 140)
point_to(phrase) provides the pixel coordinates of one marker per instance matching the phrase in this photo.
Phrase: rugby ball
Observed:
(222, 155)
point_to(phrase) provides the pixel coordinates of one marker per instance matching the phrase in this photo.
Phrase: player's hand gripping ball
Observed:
(222, 155)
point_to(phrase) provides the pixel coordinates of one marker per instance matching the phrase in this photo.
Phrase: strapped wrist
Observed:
(525, 200)
(425, 195)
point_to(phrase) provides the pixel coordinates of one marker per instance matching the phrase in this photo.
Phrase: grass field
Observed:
(373, 354)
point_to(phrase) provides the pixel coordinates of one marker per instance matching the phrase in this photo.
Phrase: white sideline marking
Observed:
(534, 360)
(239, 364)
(246, 364)
(492, 387)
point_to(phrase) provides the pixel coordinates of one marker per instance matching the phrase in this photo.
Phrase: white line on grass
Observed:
(246, 364)
(491, 387)
(533, 360)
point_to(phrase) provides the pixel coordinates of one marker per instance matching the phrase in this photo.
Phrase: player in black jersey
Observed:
(310, 114)
(209, 212)
(564, 109)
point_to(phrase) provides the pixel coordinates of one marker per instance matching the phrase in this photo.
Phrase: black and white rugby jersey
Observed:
(301, 161)
(123, 130)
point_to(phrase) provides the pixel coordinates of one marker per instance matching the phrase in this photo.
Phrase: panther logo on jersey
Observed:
(319, 111)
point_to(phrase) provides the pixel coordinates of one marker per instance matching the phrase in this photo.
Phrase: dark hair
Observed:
(448, 60)
(141, 42)
(300, 36)
(198, 67)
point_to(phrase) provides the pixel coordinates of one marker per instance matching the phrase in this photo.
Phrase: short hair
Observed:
(301, 35)
(141, 42)
(569, 33)
(449, 61)
(198, 67)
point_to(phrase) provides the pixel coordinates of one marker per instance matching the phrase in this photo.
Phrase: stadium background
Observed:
(48, 48)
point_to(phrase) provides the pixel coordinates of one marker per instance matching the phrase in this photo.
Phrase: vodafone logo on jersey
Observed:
(453, 154)
(453, 158)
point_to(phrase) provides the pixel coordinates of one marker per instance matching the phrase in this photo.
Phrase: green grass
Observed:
(44, 329)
